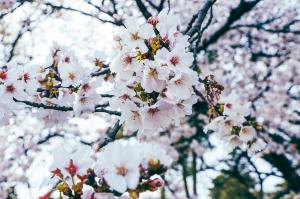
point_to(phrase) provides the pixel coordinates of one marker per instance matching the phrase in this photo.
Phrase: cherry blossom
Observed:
(178, 82)
(6, 4)
(150, 75)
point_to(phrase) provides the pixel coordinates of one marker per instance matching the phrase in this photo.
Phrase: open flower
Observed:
(177, 59)
(155, 76)
(119, 173)
(166, 23)
(181, 85)
(247, 133)
(71, 74)
(154, 155)
(70, 161)
(157, 116)
(69, 69)
(124, 65)
(257, 145)
(132, 117)
(87, 98)
(134, 35)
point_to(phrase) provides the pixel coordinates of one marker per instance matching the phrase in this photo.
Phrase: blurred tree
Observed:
(227, 186)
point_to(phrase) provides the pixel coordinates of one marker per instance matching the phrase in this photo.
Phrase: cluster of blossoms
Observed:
(57, 89)
(6, 4)
(235, 126)
(153, 89)
(16, 81)
(153, 79)
(112, 172)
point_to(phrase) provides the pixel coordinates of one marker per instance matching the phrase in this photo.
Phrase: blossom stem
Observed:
(67, 108)
(194, 169)
(184, 176)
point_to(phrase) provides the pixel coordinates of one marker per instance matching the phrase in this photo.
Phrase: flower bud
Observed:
(155, 184)
(154, 163)
(71, 168)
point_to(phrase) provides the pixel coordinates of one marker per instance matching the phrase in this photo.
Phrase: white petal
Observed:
(116, 182)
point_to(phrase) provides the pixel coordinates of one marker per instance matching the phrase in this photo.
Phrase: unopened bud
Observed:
(155, 184)
(154, 163)
(133, 194)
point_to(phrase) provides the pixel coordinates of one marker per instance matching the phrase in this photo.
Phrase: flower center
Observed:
(121, 170)
(228, 123)
(153, 111)
(179, 82)
(26, 77)
(127, 60)
(152, 73)
(86, 87)
(135, 115)
(99, 63)
(174, 60)
(72, 76)
(135, 36)
(245, 131)
(83, 100)
(228, 105)
(125, 97)
(10, 88)
(67, 59)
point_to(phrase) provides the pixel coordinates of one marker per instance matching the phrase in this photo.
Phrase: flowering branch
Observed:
(65, 108)
(44, 106)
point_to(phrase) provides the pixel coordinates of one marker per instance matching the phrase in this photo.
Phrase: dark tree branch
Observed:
(98, 108)
(158, 7)
(48, 137)
(111, 14)
(161, 5)
(153, 5)
(102, 110)
(143, 9)
(235, 15)
(196, 26)
(285, 167)
(60, 7)
(111, 136)
(44, 106)
(11, 11)
(101, 72)
(261, 26)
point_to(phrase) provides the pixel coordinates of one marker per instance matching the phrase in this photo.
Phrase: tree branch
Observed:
(98, 108)
(111, 135)
(143, 9)
(200, 18)
(234, 16)
(82, 12)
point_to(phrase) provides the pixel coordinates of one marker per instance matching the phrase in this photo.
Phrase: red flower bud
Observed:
(45, 196)
(57, 172)
(155, 184)
(153, 20)
(71, 168)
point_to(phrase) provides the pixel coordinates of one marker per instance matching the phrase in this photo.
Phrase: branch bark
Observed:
(143, 9)
(234, 16)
